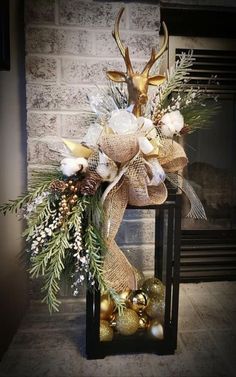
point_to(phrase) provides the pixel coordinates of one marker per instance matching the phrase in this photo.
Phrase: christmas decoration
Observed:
(156, 308)
(155, 329)
(106, 332)
(137, 300)
(127, 323)
(143, 321)
(130, 151)
(106, 307)
(153, 287)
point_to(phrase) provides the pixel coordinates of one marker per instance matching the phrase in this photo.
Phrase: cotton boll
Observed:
(178, 120)
(172, 123)
(122, 122)
(146, 126)
(106, 168)
(167, 128)
(70, 166)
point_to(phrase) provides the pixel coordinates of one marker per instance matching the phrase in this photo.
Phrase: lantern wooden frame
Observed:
(167, 262)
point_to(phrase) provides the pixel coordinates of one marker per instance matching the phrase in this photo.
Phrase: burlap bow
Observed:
(132, 186)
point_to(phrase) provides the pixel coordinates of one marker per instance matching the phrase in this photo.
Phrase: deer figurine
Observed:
(137, 83)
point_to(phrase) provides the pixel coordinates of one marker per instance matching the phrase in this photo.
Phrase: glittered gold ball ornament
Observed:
(105, 331)
(127, 323)
(140, 277)
(143, 321)
(107, 306)
(155, 329)
(153, 287)
(137, 300)
(156, 308)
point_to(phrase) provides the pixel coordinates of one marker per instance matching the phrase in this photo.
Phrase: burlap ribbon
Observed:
(132, 186)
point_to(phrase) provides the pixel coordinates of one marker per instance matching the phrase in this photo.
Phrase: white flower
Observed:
(172, 123)
(123, 122)
(71, 165)
(146, 126)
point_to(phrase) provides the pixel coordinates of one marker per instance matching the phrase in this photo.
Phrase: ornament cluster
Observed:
(144, 312)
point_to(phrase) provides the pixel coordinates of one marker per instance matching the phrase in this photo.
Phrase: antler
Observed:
(154, 54)
(116, 34)
(123, 50)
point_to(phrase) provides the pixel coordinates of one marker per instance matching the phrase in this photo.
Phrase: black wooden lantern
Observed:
(159, 335)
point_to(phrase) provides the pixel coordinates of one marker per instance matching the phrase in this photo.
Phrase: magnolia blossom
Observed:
(172, 123)
(71, 165)
(123, 122)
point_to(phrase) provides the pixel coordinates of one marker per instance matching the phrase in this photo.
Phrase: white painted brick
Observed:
(144, 17)
(59, 41)
(88, 71)
(40, 69)
(41, 124)
(55, 97)
(140, 45)
(43, 151)
(74, 125)
(87, 13)
(40, 11)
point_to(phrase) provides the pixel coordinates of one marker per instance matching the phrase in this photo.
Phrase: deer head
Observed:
(137, 82)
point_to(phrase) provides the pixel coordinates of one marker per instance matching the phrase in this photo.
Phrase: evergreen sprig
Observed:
(176, 76)
(40, 183)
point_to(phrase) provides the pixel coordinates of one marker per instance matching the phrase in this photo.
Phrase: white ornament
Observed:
(71, 165)
(144, 145)
(123, 122)
(172, 123)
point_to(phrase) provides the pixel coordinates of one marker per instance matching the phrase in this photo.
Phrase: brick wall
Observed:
(69, 47)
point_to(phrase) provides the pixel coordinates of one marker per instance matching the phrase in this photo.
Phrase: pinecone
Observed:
(90, 183)
(57, 185)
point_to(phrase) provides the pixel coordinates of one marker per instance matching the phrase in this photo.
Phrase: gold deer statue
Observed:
(137, 83)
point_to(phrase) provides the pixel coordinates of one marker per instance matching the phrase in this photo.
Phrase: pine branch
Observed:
(38, 186)
(176, 76)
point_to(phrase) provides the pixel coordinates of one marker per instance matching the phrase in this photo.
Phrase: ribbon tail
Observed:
(197, 210)
(118, 272)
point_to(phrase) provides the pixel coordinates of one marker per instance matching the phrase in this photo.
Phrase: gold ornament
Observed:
(106, 307)
(156, 308)
(127, 323)
(106, 332)
(155, 329)
(143, 321)
(139, 278)
(137, 300)
(124, 294)
(153, 287)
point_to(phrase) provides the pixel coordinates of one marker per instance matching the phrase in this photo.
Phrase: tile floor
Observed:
(54, 346)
